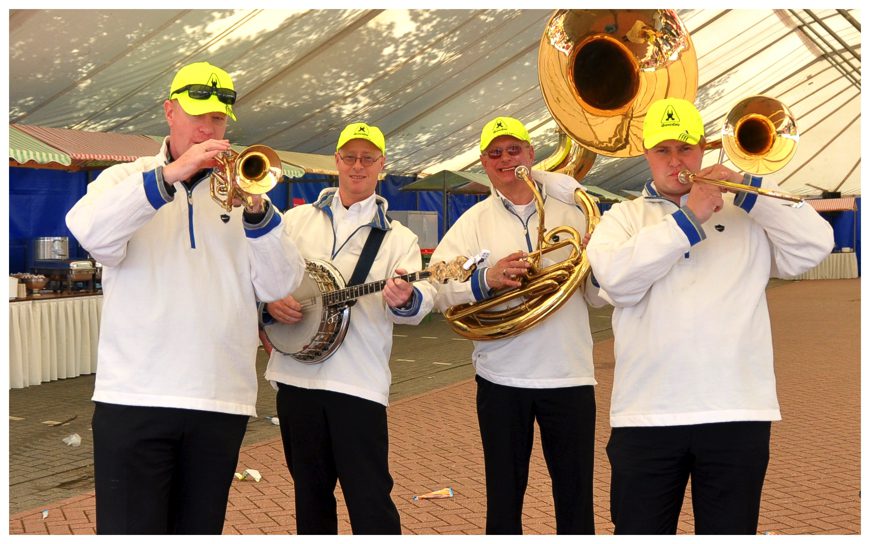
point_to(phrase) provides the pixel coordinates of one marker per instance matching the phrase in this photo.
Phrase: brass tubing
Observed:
(687, 177)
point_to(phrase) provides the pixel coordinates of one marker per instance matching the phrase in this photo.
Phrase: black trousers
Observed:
(163, 470)
(331, 436)
(650, 467)
(566, 417)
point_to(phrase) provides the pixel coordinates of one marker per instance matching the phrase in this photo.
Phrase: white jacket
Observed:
(360, 366)
(557, 352)
(179, 321)
(692, 332)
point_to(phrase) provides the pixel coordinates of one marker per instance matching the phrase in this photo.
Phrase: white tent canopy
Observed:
(429, 78)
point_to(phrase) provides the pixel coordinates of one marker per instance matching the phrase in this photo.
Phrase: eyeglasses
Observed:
(512, 150)
(203, 92)
(366, 160)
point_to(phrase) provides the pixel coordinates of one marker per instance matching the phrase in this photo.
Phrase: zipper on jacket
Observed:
(335, 238)
(190, 216)
(525, 225)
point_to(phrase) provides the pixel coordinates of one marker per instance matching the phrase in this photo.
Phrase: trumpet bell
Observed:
(259, 170)
(760, 135)
(254, 171)
(600, 70)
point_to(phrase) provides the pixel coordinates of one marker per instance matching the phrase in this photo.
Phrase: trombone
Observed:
(687, 177)
(759, 136)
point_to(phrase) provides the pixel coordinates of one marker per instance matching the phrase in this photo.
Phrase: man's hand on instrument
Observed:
(507, 271)
(197, 157)
(705, 200)
(257, 204)
(721, 172)
(397, 292)
(287, 310)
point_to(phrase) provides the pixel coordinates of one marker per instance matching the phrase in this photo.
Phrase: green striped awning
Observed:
(24, 148)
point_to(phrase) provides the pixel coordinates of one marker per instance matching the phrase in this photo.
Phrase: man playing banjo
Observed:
(333, 414)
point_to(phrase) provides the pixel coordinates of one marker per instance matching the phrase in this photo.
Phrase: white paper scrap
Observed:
(73, 440)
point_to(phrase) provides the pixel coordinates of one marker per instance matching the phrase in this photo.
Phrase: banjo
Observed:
(326, 302)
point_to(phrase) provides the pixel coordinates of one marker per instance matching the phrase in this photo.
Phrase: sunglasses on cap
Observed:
(198, 91)
(513, 150)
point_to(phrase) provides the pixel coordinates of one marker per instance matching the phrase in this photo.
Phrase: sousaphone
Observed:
(599, 72)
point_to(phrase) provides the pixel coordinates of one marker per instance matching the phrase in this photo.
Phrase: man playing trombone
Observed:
(686, 267)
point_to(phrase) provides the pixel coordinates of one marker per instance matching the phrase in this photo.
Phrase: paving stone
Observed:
(812, 485)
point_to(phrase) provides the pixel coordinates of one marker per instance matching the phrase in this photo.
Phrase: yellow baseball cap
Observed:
(502, 126)
(362, 131)
(203, 88)
(672, 119)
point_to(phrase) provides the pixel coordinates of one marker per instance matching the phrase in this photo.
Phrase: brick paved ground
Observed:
(812, 486)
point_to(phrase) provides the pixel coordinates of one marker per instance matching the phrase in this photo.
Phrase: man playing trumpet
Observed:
(177, 375)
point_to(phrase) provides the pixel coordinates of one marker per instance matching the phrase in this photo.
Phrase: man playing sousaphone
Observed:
(177, 376)
(542, 374)
(333, 414)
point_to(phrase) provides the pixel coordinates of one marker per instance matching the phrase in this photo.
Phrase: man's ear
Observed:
(168, 110)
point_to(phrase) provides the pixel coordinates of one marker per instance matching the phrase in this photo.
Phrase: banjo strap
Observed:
(367, 257)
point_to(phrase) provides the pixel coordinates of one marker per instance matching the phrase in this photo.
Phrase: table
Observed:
(53, 339)
(835, 266)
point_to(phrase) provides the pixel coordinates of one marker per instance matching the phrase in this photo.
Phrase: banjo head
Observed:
(322, 327)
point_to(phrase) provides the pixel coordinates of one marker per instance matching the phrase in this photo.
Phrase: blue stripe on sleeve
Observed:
(477, 284)
(265, 226)
(416, 302)
(692, 231)
(151, 182)
(746, 201)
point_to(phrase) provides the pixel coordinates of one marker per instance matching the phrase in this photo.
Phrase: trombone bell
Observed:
(760, 135)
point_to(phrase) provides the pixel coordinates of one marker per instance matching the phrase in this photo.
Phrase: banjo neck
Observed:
(348, 294)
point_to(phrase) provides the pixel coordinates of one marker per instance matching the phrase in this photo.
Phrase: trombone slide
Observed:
(687, 177)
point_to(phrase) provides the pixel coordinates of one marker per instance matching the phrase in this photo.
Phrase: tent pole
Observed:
(444, 205)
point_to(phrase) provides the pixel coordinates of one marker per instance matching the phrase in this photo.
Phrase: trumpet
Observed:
(687, 177)
(254, 171)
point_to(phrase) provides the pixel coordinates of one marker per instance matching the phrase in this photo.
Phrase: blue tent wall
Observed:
(308, 187)
(843, 223)
(847, 229)
(305, 189)
(38, 202)
(858, 233)
(391, 189)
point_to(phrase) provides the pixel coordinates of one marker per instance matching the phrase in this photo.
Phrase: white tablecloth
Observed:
(836, 266)
(53, 339)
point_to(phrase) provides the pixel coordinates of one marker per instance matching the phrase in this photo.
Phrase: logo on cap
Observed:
(499, 125)
(362, 130)
(670, 118)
